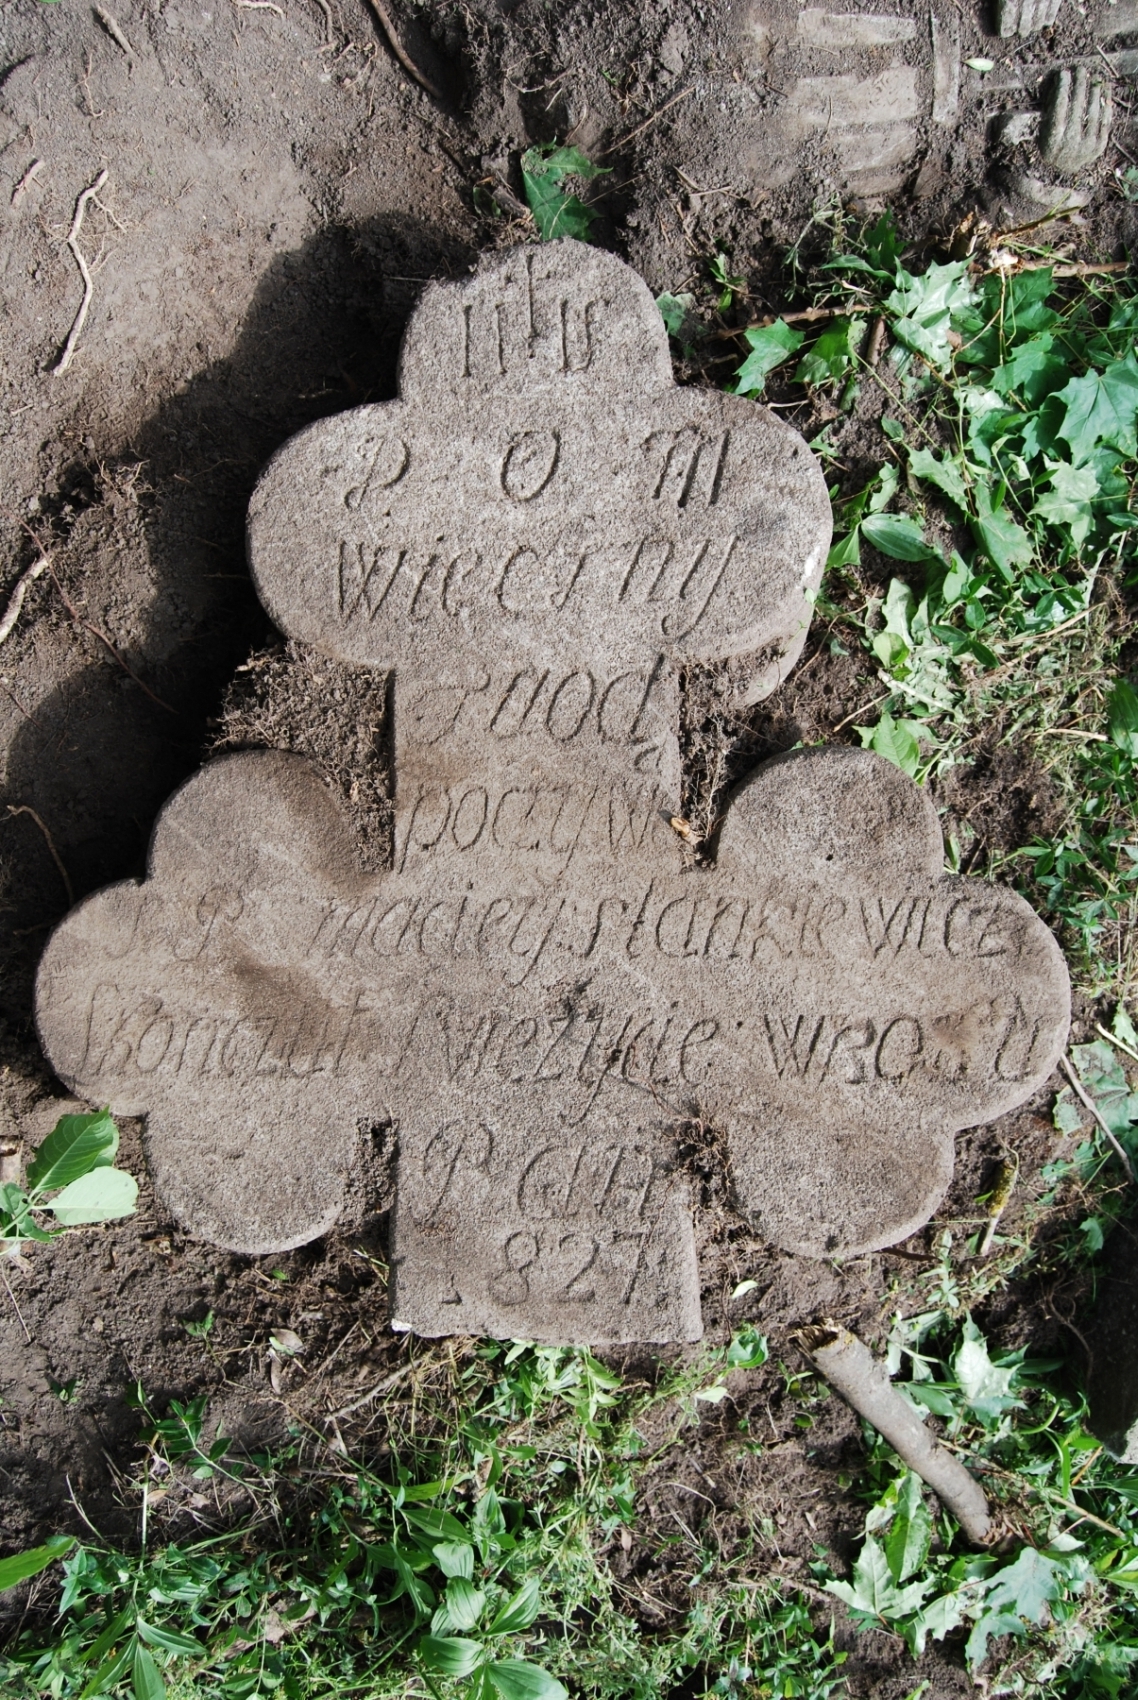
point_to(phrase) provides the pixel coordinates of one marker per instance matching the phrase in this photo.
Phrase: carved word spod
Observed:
(537, 995)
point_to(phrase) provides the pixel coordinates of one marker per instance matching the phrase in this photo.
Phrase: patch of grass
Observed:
(1002, 504)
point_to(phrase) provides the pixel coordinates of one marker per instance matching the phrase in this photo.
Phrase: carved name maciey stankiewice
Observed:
(538, 995)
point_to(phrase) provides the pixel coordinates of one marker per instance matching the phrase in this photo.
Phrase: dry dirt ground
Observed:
(277, 189)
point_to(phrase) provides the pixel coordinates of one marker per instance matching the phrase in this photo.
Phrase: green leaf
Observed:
(516, 1680)
(1006, 543)
(986, 1386)
(102, 1196)
(1102, 407)
(907, 1544)
(873, 1591)
(455, 1558)
(145, 1675)
(440, 1525)
(1032, 372)
(925, 306)
(770, 345)
(75, 1146)
(453, 1655)
(1068, 502)
(168, 1639)
(463, 1603)
(555, 212)
(1102, 1074)
(896, 740)
(829, 359)
(945, 474)
(1122, 705)
(747, 1350)
(1028, 1586)
(675, 310)
(846, 552)
(21, 1565)
(936, 1619)
(519, 1612)
(897, 536)
(988, 1624)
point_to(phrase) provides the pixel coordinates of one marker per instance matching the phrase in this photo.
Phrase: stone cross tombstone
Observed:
(539, 995)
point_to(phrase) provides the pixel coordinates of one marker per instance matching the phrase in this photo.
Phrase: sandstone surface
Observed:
(540, 998)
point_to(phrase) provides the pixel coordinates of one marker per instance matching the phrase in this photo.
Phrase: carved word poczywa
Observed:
(537, 995)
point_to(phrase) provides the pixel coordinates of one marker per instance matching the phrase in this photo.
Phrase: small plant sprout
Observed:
(71, 1177)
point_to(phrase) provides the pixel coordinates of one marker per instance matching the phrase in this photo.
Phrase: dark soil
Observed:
(274, 204)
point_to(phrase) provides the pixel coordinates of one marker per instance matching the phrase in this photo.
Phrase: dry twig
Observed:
(648, 122)
(80, 319)
(401, 53)
(25, 809)
(26, 181)
(114, 30)
(851, 1367)
(16, 600)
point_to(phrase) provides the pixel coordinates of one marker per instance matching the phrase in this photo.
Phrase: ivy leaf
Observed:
(1028, 1586)
(936, 1619)
(1006, 543)
(945, 474)
(1102, 407)
(556, 212)
(990, 1623)
(75, 1146)
(1101, 1073)
(770, 345)
(987, 1387)
(675, 310)
(1032, 372)
(1123, 708)
(829, 359)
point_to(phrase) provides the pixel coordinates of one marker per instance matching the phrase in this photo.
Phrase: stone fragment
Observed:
(1025, 18)
(837, 31)
(1075, 127)
(945, 31)
(538, 995)
(1015, 128)
(1121, 18)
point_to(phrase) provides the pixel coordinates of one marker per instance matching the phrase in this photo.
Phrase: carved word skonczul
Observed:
(538, 995)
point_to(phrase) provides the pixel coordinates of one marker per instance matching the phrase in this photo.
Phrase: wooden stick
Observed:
(860, 1378)
(80, 319)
